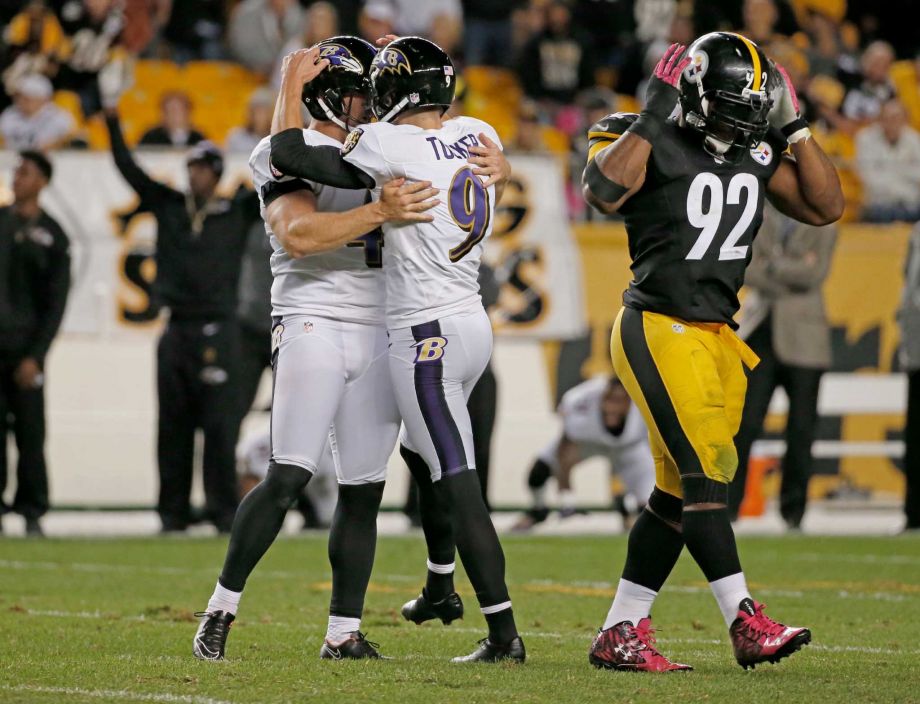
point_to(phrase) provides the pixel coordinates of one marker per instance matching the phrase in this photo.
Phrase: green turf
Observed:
(112, 620)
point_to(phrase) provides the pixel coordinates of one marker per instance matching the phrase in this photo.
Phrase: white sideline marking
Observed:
(112, 694)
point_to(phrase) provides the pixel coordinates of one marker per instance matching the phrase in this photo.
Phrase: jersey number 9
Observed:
(469, 207)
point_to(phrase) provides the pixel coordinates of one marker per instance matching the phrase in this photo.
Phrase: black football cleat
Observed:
(419, 610)
(357, 647)
(211, 638)
(491, 652)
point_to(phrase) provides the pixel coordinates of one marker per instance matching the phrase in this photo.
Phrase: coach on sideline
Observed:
(200, 243)
(34, 281)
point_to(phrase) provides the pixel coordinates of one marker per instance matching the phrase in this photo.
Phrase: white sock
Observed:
(340, 629)
(224, 600)
(440, 569)
(566, 499)
(632, 603)
(729, 591)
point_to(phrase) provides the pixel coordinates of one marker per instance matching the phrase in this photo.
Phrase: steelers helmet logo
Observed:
(392, 60)
(762, 154)
(341, 56)
(699, 64)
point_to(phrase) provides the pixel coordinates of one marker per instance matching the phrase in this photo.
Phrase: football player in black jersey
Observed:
(689, 175)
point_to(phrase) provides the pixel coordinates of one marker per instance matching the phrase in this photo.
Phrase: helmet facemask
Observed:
(732, 124)
(336, 103)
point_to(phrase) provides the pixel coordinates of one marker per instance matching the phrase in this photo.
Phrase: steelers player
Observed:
(690, 183)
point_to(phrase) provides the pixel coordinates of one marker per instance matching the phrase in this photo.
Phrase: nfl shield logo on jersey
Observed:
(762, 153)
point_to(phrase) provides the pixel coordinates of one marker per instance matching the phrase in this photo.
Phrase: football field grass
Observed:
(111, 620)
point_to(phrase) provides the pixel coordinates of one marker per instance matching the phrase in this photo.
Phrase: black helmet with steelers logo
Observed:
(725, 93)
(410, 73)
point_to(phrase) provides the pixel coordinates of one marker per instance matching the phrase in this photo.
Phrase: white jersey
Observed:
(582, 421)
(431, 268)
(345, 284)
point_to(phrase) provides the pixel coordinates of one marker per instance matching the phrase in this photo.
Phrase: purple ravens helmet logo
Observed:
(391, 59)
(339, 55)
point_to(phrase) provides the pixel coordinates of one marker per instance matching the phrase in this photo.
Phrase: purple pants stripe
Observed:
(429, 390)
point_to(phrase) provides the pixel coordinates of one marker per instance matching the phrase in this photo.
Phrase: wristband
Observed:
(647, 126)
(601, 186)
(796, 130)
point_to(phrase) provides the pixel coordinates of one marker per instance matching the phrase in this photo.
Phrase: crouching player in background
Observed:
(598, 420)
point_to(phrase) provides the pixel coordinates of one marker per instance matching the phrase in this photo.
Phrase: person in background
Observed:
(598, 420)
(33, 121)
(870, 89)
(529, 134)
(29, 44)
(440, 21)
(175, 128)
(488, 36)
(34, 282)
(376, 20)
(200, 242)
(260, 28)
(195, 30)
(243, 139)
(321, 22)
(94, 37)
(783, 320)
(888, 163)
(909, 320)
(558, 62)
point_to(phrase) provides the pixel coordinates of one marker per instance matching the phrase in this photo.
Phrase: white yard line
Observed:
(110, 694)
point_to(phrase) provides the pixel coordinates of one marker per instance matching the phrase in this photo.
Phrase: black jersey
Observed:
(692, 223)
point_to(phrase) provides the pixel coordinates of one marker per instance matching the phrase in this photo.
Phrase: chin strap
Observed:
(332, 116)
(395, 110)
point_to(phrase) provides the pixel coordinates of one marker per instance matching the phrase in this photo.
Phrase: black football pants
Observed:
(197, 362)
(801, 385)
(23, 412)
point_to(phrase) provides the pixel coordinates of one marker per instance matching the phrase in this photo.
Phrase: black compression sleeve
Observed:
(323, 164)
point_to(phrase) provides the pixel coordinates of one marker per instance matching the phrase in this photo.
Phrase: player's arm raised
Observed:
(805, 187)
(290, 155)
(304, 231)
(617, 170)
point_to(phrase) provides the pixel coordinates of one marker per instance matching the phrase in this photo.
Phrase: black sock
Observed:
(480, 549)
(655, 542)
(352, 544)
(258, 521)
(501, 627)
(539, 474)
(436, 525)
(708, 532)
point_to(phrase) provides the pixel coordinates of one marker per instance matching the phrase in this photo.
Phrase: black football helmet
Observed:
(410, 73)
(725, 93)
(328, 96)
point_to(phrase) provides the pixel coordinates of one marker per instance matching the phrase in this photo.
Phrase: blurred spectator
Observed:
(195, 29)
(259, 29)
(376, 20)
(888, 161)
(909, 319)
(612, 26)
(653, 18)
(441, 21)
(863, 101)
(94, 31)
(728, 15)
(242, 140)
(30, 44)
(559, 61)
(34, 282)
(528, 137)
(760, 18)
(33, 121)
(783, 320)
(826, 47)
(487, 34)
(322, 22)
(175, 128)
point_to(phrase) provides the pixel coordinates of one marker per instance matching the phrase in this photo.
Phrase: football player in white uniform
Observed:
(440, 336)
(598, 420)
(332, 387)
